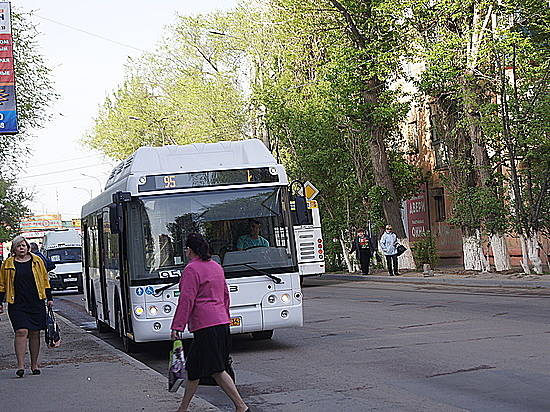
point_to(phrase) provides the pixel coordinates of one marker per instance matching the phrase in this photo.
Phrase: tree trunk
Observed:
(533, 250)
(524, 255)
(390, 203)
(474, 258)
(406, 260)
(500, 252)
(345, 253)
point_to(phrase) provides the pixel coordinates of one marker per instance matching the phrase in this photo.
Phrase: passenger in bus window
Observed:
(203, 305)
(253, 238)
(24, 283)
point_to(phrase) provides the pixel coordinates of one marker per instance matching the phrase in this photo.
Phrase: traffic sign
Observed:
(310, 191)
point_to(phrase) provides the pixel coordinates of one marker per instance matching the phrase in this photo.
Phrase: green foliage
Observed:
(35, 91)
(425, 250)
(186, 93)
(34, 96)
(478, 208)
(12, 209)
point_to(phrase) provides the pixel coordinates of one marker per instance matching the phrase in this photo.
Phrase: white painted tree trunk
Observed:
(524, 255)
(406, 260)
(500, 252)
(474, 258)
(345, 253)
(533, 251)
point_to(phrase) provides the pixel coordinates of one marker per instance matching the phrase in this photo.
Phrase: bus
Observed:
(309, 237)
(134, 234)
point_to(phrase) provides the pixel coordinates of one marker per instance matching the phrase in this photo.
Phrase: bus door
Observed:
(124, 271)
(86, 262)
(102, 274)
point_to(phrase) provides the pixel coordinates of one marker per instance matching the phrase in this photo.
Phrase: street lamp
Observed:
(158, 123)
(93, 177)
(87, 190)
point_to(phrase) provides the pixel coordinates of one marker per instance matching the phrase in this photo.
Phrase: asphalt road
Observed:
(389, 347)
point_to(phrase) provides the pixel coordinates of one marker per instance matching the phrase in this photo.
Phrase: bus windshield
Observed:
(65, 255)
(247, 229)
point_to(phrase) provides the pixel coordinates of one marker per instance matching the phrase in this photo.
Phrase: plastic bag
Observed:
(176, 373)
(52, 335)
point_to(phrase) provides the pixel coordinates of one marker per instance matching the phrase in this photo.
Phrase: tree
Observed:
(521, 119)
(454, 37)
(34, 96)
(348, 55)
(186, 92)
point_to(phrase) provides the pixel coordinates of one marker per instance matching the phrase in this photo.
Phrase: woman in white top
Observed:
(388, 243)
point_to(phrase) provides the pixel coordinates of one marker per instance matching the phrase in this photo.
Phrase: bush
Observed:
(425, 251)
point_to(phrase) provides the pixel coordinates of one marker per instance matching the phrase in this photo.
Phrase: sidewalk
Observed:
(451, 277)
(83, 374)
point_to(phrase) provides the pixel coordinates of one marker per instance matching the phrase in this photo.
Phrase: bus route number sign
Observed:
(170, 274)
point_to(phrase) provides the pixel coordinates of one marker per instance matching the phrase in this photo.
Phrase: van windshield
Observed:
(65, 255)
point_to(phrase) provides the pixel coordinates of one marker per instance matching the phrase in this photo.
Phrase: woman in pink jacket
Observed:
(204, 306)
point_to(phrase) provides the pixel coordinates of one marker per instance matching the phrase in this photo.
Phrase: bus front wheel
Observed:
(262, 335)
(128, 344)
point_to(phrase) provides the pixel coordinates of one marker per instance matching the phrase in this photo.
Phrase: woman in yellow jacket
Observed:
(24, 284)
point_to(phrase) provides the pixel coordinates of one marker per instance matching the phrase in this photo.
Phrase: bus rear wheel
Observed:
(101, 327)
(262, 335)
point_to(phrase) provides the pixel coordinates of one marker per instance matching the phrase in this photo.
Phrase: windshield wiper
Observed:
(162, 289)
(275, 279)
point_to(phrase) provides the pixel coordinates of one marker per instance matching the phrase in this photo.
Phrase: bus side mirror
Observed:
(302, 214)
(116, 212)
(115, 218)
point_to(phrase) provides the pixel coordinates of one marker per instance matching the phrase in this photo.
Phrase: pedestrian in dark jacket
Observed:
(49, 264)
(363, 247)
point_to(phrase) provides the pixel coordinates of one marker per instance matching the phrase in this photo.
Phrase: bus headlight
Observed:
(272, 298)
(52, 275)
(138, 310)
(167, 308)
(285, 298)
(298, 295)
(284, 314)
(153, 310)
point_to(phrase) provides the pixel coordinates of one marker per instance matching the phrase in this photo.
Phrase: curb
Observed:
(504, 283)
(197, 402)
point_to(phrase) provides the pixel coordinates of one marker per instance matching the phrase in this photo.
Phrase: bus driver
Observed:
(253, 238)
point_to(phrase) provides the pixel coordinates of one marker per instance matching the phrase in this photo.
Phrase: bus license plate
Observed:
(235, 321)
(70, 279)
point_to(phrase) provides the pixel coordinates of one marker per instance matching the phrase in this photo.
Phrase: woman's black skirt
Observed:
(209, 352)
(32, 317)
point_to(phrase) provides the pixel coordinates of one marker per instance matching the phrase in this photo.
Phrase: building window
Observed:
(440, 215)
(438, 146)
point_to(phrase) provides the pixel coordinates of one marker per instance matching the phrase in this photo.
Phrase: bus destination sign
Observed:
(208, 179)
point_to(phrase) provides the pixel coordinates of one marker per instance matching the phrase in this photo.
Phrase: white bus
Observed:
(308, 235)
(134, 235)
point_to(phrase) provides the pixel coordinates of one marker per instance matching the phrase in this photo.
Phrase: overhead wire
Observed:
(65, 170)
(63, 161)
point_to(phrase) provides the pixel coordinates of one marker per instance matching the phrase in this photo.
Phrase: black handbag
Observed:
(52, 335)
(400, 250)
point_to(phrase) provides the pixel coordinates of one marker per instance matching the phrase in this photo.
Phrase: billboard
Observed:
(41, 223)
(8, 109)
(417, 215)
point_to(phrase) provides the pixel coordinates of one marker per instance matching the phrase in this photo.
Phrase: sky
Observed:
(61, 172)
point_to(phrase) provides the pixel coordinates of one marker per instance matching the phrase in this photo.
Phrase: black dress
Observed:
(209, 352)
(28, 311)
